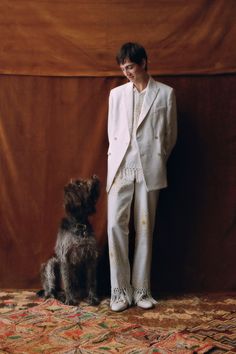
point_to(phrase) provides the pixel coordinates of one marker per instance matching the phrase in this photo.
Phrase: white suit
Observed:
(155, 135)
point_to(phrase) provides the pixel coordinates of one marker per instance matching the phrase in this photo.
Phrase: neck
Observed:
(142, 83)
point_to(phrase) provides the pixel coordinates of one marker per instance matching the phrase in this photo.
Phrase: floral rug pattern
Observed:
(180, 324)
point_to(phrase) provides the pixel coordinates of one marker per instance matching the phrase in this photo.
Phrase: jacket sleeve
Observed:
(171, 128)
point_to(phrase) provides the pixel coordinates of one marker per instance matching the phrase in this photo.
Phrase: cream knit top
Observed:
(131, 168)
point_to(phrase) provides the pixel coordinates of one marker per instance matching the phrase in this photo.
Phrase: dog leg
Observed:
(67, 276)
(50, 275)
(91, 284)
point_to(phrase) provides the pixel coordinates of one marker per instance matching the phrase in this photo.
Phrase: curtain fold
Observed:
(57, 67)
(81, 38)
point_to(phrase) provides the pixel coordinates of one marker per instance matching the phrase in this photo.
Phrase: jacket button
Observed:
(156, 137)
(115, 138)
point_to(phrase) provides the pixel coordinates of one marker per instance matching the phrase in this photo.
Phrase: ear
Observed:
(94, 186)
(144, 64)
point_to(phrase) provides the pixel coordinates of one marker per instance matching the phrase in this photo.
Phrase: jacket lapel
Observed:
(152, 90)
(129, 102)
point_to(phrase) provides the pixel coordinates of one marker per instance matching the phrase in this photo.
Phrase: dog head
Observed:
(80, 197)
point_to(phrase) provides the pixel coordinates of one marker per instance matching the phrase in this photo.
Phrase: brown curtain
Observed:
(80, 38)
(54, 129)
(56, 70)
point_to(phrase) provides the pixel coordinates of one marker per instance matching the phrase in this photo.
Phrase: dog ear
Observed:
(94, 185)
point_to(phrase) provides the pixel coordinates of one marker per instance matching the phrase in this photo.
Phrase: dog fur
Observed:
(76, 253)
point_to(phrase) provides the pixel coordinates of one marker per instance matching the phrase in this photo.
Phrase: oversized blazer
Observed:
(156, 131)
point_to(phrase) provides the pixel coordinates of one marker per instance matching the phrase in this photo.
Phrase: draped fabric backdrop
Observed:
(56, 70)
(80, 38)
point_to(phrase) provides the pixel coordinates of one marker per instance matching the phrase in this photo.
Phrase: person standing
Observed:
(142, 131)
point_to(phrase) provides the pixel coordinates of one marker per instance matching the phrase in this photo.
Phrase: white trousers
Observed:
(120, 198)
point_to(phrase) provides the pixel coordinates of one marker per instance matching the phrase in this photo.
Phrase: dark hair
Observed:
(132, 51)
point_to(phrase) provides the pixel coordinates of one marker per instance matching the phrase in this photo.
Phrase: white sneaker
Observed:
(145, 304)
(119, 305)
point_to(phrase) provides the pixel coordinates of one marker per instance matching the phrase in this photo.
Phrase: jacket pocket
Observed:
(159, 109)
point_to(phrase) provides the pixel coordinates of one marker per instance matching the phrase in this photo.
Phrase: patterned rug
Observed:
(180, 324)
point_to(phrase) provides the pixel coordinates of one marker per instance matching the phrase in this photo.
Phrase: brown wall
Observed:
(53, 129)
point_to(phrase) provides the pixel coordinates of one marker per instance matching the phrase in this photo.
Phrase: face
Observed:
(134, 72)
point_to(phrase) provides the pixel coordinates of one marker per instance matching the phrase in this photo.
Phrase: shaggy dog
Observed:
(73, 267)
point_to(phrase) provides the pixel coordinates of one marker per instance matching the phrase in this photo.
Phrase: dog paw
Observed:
(92, 301)
(71, 302)
(50, 294)
(40, 293)
(61, 296)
